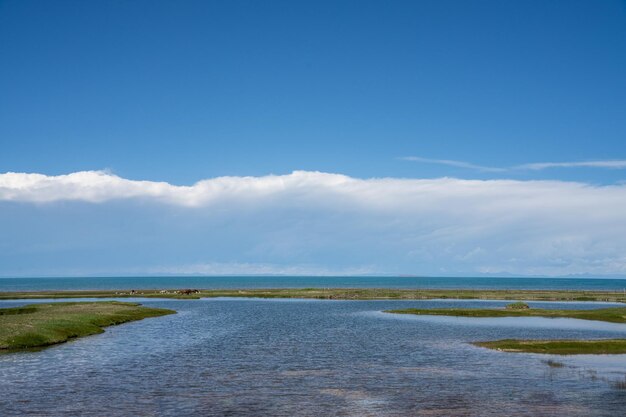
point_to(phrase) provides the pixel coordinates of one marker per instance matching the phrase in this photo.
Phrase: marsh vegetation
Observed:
(558, 347)
(40, 325)
(612, 315)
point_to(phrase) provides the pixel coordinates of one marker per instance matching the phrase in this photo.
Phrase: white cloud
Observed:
(99, 186)
(333, 222)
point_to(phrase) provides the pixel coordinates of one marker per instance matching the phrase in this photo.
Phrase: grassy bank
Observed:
(613, 315)
(39, 325)
(558, 347)
(337, 294)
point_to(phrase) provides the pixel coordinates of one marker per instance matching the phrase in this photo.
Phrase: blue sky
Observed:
(180, 92)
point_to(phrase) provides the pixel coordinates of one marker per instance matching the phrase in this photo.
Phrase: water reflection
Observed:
(309, 358)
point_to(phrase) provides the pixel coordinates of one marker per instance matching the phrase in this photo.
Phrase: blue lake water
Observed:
(254, 357)
(83, 283)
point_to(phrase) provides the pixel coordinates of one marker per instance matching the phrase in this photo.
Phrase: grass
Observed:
(558, 347)
(517, 306)
(613, 315)
(554, 364)
(337, 294)
(40, 325)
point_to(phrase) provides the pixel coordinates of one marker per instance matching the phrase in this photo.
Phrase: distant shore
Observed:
(333, 294)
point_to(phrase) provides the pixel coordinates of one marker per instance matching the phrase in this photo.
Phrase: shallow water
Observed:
(313, 358)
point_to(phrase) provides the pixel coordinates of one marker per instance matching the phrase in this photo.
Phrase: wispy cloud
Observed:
(450, 162)
(535, 166)
(610, 164)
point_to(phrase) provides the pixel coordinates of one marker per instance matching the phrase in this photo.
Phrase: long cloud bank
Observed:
(101, 186)
(443, 225)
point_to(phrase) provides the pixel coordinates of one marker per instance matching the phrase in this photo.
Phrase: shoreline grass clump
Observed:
(620, 384)
(553, 364)
(41, 325)
(519, 305)
(559, 347)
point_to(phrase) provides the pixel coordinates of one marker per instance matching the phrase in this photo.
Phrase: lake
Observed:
(254, 357)
(221, 282)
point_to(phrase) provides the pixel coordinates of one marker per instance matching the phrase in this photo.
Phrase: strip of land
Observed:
(613, 315)
(335, 294)
(40, 325)
(559, 347)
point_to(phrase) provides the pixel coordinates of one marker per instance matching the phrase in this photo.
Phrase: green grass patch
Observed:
(613, 315)
(40, 325)
(558, 347)
(520, 305)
